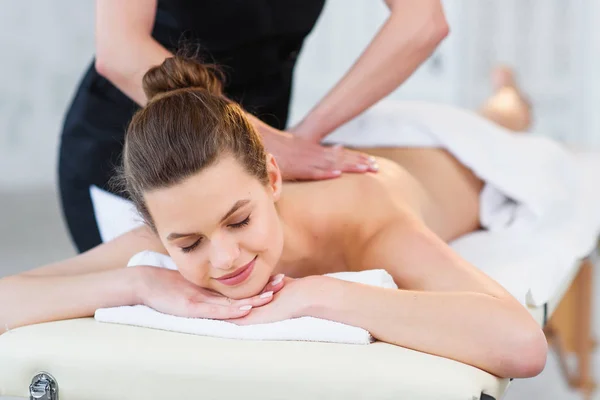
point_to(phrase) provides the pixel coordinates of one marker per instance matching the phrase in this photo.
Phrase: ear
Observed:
(275, 180)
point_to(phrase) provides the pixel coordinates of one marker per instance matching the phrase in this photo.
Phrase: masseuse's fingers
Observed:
(337, 159)
(351, 160)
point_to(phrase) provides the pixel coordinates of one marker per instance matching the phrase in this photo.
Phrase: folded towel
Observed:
(540, 203)
(299, 329)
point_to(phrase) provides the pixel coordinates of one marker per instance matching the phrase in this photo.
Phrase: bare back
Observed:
(428, 183)
(452, 188)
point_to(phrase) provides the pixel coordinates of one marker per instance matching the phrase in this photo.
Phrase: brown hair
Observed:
(186, 126)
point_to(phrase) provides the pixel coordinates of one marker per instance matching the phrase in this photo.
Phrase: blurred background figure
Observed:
(550, 48)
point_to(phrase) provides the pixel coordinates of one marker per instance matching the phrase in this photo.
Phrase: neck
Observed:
(309, 246)
(300, 250)
(296, 245)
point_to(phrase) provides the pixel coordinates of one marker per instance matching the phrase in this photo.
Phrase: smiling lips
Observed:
(239, 275)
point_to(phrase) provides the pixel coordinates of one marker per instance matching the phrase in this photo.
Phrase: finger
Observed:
(246, 320)
(354, 161)
(316, 172)
(371, 162)
(255, 301)
(323, 174)
(336, 158)
(276, 283)
(350, 155)
(260, 299)
(216, 311)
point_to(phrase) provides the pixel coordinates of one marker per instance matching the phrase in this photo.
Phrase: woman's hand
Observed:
(294, 301)
(169, 292)
(301, 159)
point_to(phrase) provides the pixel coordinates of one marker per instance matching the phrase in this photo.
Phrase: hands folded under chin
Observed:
(292, 300)
(282, 298)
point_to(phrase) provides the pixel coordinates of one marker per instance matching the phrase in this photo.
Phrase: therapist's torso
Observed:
(255, 42)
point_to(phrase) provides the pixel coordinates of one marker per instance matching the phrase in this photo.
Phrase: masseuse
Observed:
(255, 44)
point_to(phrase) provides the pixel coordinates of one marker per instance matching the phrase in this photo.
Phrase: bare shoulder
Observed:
(418, 259)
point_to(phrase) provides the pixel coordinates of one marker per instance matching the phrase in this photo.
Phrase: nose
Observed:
(223, 252)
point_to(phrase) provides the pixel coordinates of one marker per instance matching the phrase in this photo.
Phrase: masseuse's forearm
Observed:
(27, 300)
(126, 69)
(409, 36)
(265, 129)
(125, 66)
(125, 49)
(473, 328)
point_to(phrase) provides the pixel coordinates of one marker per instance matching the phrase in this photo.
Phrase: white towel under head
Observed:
(300, 329)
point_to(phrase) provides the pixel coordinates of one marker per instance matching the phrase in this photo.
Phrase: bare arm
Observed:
(125, 49)
(78, 286)
(449, 308)
(411, 33)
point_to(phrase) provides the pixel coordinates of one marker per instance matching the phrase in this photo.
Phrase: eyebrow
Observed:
(238, 204)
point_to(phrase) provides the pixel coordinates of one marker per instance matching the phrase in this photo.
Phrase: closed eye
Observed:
(241, 224)
(237, 225)
(191, 247)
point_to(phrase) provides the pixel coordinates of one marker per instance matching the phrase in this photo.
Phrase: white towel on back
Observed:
(540, 206)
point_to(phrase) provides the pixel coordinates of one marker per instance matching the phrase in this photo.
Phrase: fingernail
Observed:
(336, 172)
(375, 166)
(372, 160)
(362, 167)
(266, 295)
(245, 308)
(277, 280)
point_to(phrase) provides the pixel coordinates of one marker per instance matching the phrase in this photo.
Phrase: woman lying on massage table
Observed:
(214, 201)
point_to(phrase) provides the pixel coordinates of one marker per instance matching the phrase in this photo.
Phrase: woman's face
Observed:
(221, 227)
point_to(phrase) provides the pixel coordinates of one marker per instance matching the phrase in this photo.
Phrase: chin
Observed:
(249, 288)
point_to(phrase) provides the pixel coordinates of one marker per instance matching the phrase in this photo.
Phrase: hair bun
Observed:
(179, 73)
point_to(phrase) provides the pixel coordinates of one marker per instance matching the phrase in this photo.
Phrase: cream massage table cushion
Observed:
(98, 361)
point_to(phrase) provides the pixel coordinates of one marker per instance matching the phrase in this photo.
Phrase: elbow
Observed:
(527, 356)
(104, 66)
(430, 29)
(435, 29)
(110, 63)
(101, 65)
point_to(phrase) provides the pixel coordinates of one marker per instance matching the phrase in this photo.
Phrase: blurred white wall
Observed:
(45, 46)
(554, 45)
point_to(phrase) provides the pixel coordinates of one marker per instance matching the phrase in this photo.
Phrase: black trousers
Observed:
(90, 149)
(78, 210)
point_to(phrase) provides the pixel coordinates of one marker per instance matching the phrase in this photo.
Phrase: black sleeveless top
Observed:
(255, 43)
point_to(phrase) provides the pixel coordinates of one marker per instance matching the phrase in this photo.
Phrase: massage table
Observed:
(83, 359)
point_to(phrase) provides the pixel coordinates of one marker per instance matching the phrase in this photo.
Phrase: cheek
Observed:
(193, 270)
(265, 233)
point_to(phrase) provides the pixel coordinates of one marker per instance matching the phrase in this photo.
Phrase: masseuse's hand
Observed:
(169, 292)
(293, 301)
(301, 159)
